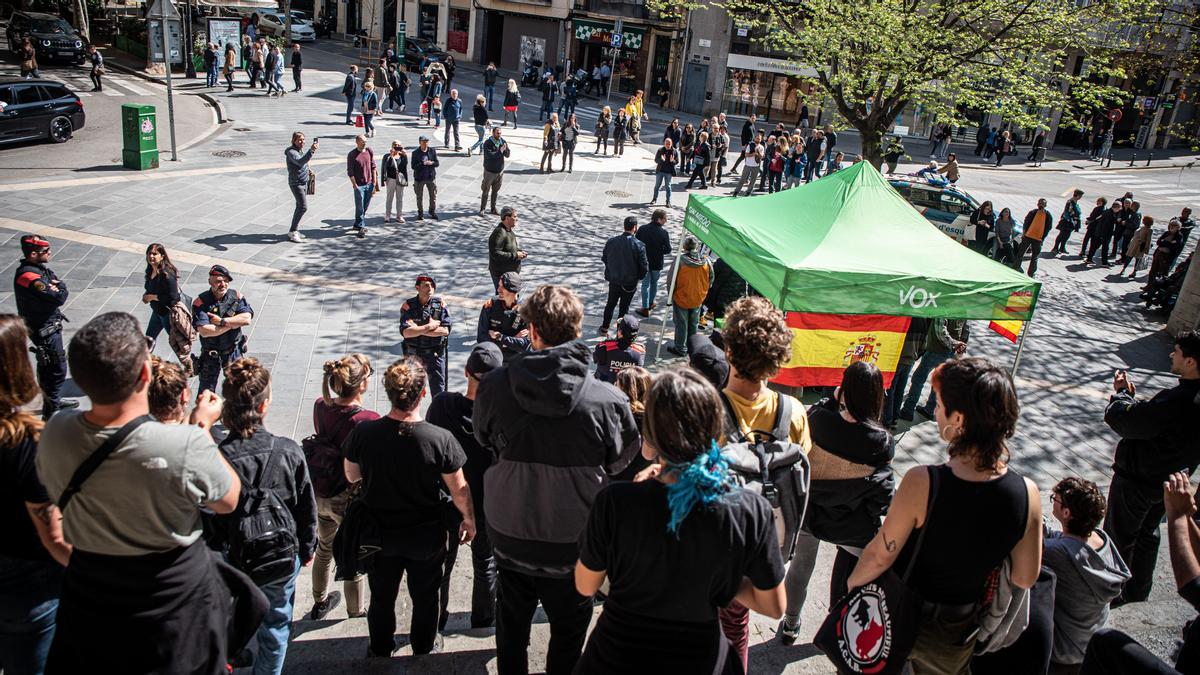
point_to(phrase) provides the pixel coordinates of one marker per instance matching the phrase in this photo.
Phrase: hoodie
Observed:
(558, 434)
(1088, 580)
(694, 279)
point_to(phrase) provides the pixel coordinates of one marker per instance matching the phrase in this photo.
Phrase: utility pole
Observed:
(165, 12)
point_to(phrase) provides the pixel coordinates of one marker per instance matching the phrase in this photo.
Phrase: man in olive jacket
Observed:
(503, 253)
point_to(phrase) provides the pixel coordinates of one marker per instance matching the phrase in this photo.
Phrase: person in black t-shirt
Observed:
(452, 411)
(677, 548)
(407, 466)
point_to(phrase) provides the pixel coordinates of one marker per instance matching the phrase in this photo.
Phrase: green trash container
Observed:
(139, 130)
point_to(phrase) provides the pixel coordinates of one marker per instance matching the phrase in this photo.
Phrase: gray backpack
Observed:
(769, 464)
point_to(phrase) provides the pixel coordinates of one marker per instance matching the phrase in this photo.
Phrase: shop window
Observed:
(427, 24)
(460, 25)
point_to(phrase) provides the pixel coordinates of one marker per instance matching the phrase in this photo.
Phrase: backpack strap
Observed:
(93, 462)
(267, 466)
(782, 431)
(932, 471)
(734, 433)
(337, 429)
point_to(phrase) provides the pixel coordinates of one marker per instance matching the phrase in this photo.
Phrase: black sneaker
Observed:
(788, 632)
(362, 233)
(433, 215)
(67, 404)
(676, 350)
(420, 216)
(321, 609)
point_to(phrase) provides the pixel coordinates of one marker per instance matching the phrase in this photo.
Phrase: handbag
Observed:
(874, 627)
(311, 189)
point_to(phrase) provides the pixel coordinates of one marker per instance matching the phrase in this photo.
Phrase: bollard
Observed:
(1109, 165)
(1149, 158)
(1133, 159)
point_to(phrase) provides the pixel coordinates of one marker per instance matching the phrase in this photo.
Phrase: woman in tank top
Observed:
(983, 512)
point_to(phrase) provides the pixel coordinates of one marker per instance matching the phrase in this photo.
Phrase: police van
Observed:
(946, 206)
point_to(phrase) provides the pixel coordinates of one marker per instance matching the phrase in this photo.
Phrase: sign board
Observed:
(401, 36)
(616, 40)
(154, 31)
(1115, 114)
(900, 130)
(223, 32)
(764, 64)
(704, 43)
(1149, 102)
(1143, 136)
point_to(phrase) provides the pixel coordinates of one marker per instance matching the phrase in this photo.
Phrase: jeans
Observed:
(774, 181)
(481, 130)
(749, 175)
(452, 124)
(1028, 244)
(329, 517)
(569, 613)
(566, 106)
(211, 367)
(300, 192)
(812, 169)
(349, 109)
(421, 187)
(28, 606)
(156, 324)
(686, 321)
(424, 578)
(211, 77)
(547, 108)
(396, 98)
(617, 294)
(273, 634)
(925, 366)
(895, 393)
(277, 76)
(662, 178)
(1135, 510)
(1111, 652)
(362, 202)
(650, 288)
(489, 92)
(369, 123)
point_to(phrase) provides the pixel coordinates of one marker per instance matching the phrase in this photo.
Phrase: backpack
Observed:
(262, 538)
(324, 459)
(769, 464)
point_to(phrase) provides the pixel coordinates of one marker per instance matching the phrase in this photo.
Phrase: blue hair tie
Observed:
(703, 480)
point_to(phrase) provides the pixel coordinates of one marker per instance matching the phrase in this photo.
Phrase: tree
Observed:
(874, 58)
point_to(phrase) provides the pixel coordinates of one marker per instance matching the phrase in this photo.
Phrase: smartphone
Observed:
(316, 139)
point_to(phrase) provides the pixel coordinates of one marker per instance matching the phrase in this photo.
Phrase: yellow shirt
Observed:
(759, 415)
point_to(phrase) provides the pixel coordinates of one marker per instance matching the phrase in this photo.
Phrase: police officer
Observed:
(500, 319)
(219, 314)
(613, 356)
(39, 294)
(425, 326)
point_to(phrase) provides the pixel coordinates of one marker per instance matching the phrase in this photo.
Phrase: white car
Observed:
(273, 24)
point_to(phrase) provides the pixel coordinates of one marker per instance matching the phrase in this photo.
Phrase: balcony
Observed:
(632, 9)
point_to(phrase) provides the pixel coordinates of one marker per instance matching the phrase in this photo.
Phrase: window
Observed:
(954, 204)
(28, 94)
(7, 95)
(53, 92)
(925, 199)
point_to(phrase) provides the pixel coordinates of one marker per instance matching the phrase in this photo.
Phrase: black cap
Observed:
(707, 359)
(628, 325)
(484, 358)
(32, 242)
(221, 270)
(511, 281)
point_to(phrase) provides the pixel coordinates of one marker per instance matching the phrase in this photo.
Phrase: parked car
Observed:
(947, 207)
(417, 50)
(274, 24)
(36, 109)
(53, 38)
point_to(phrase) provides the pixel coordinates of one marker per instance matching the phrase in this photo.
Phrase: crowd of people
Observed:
(576, 477)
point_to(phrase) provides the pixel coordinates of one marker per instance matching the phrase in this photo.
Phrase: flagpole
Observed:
(670, 294)
(1020, 344)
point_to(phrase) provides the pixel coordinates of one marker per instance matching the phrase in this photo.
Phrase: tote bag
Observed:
(873, 628)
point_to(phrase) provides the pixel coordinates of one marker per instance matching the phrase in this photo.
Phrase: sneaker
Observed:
(362, 233)
(67, 404)
(321, 609)
(676, 350)
(603, 330)
(420, 216)
(788, 632)
(494, 212)
(294, 237)
(400, 220)
(644, 311)
(433, 215)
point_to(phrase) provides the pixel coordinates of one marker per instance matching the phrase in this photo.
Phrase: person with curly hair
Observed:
(1090, 572)
(407, 468)
(647, 537)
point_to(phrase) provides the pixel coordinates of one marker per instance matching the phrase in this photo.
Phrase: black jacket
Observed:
(657, 242)
(665, 160)
(747, 133)
(494, 153)
(479, 111)
(1158, 436)
(558, 434)
(38, 301)
(289, 479)
(624, 260)
(727, 286)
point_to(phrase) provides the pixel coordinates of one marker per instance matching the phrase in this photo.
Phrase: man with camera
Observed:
(39, 294)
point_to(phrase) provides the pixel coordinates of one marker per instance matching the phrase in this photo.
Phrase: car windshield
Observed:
(419, 44)
(53, 26)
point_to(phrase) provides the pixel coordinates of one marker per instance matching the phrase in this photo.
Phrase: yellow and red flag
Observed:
(1018, 304)
(823, 345)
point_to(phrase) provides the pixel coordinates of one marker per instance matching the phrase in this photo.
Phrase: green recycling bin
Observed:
(139, 129)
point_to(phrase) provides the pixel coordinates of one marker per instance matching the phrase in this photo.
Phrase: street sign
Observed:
(401, 34)
(1115, 114)
(616, 40)
(1148, 103)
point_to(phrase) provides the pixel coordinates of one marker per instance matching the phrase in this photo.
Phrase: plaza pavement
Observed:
(336, 294)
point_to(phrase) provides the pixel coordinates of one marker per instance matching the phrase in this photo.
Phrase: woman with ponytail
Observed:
(335, 415)
(678, 547)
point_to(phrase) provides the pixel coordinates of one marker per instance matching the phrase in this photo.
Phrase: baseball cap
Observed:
(32, 242)
(426, 277)
(708, 359)
(221, 270)
(511, 281)
(423, 137)
(485, 357)
(628, 325)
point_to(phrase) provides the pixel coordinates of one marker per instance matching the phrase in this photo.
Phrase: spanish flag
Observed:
(1003, 322)
(823, 345)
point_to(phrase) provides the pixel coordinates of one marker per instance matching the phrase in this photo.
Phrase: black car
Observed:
(417, 50)
(53, 38)
(36, 109)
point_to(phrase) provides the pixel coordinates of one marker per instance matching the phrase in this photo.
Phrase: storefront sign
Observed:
(762, 63)
(602, 33)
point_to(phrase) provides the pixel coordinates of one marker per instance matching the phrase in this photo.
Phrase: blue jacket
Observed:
(452, 110)
(624, 260)
(421, 172)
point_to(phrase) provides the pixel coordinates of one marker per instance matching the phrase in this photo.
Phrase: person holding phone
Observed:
(298, 176)
(1159, 436)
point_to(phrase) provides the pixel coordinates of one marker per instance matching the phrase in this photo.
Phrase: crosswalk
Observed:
(1141, 183)
(115, 84)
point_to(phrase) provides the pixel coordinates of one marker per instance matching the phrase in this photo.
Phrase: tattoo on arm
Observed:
(889, 544)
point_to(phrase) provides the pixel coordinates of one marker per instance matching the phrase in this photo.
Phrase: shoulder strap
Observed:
(227, 302)
(258, 481)
(933, 490)
(783, 418)
(97, 457)
(734, 434)
(337, 429)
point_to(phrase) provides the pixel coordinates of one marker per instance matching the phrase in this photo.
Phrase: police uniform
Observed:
(613, 356)
(505, 320)
(39, 294)
(431, 350)
(217, 352)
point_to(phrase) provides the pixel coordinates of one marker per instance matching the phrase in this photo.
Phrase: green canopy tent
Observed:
(850, 244)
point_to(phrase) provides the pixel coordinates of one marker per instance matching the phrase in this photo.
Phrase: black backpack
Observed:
(771, 465)
(262, 539)
(324, 459)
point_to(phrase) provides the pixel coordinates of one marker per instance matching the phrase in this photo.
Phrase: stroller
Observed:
(1163, 290)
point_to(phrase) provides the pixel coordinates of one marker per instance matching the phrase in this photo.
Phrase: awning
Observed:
(236, 4)
(601, 33)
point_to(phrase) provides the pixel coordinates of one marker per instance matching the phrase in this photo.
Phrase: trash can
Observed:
(139, 130)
